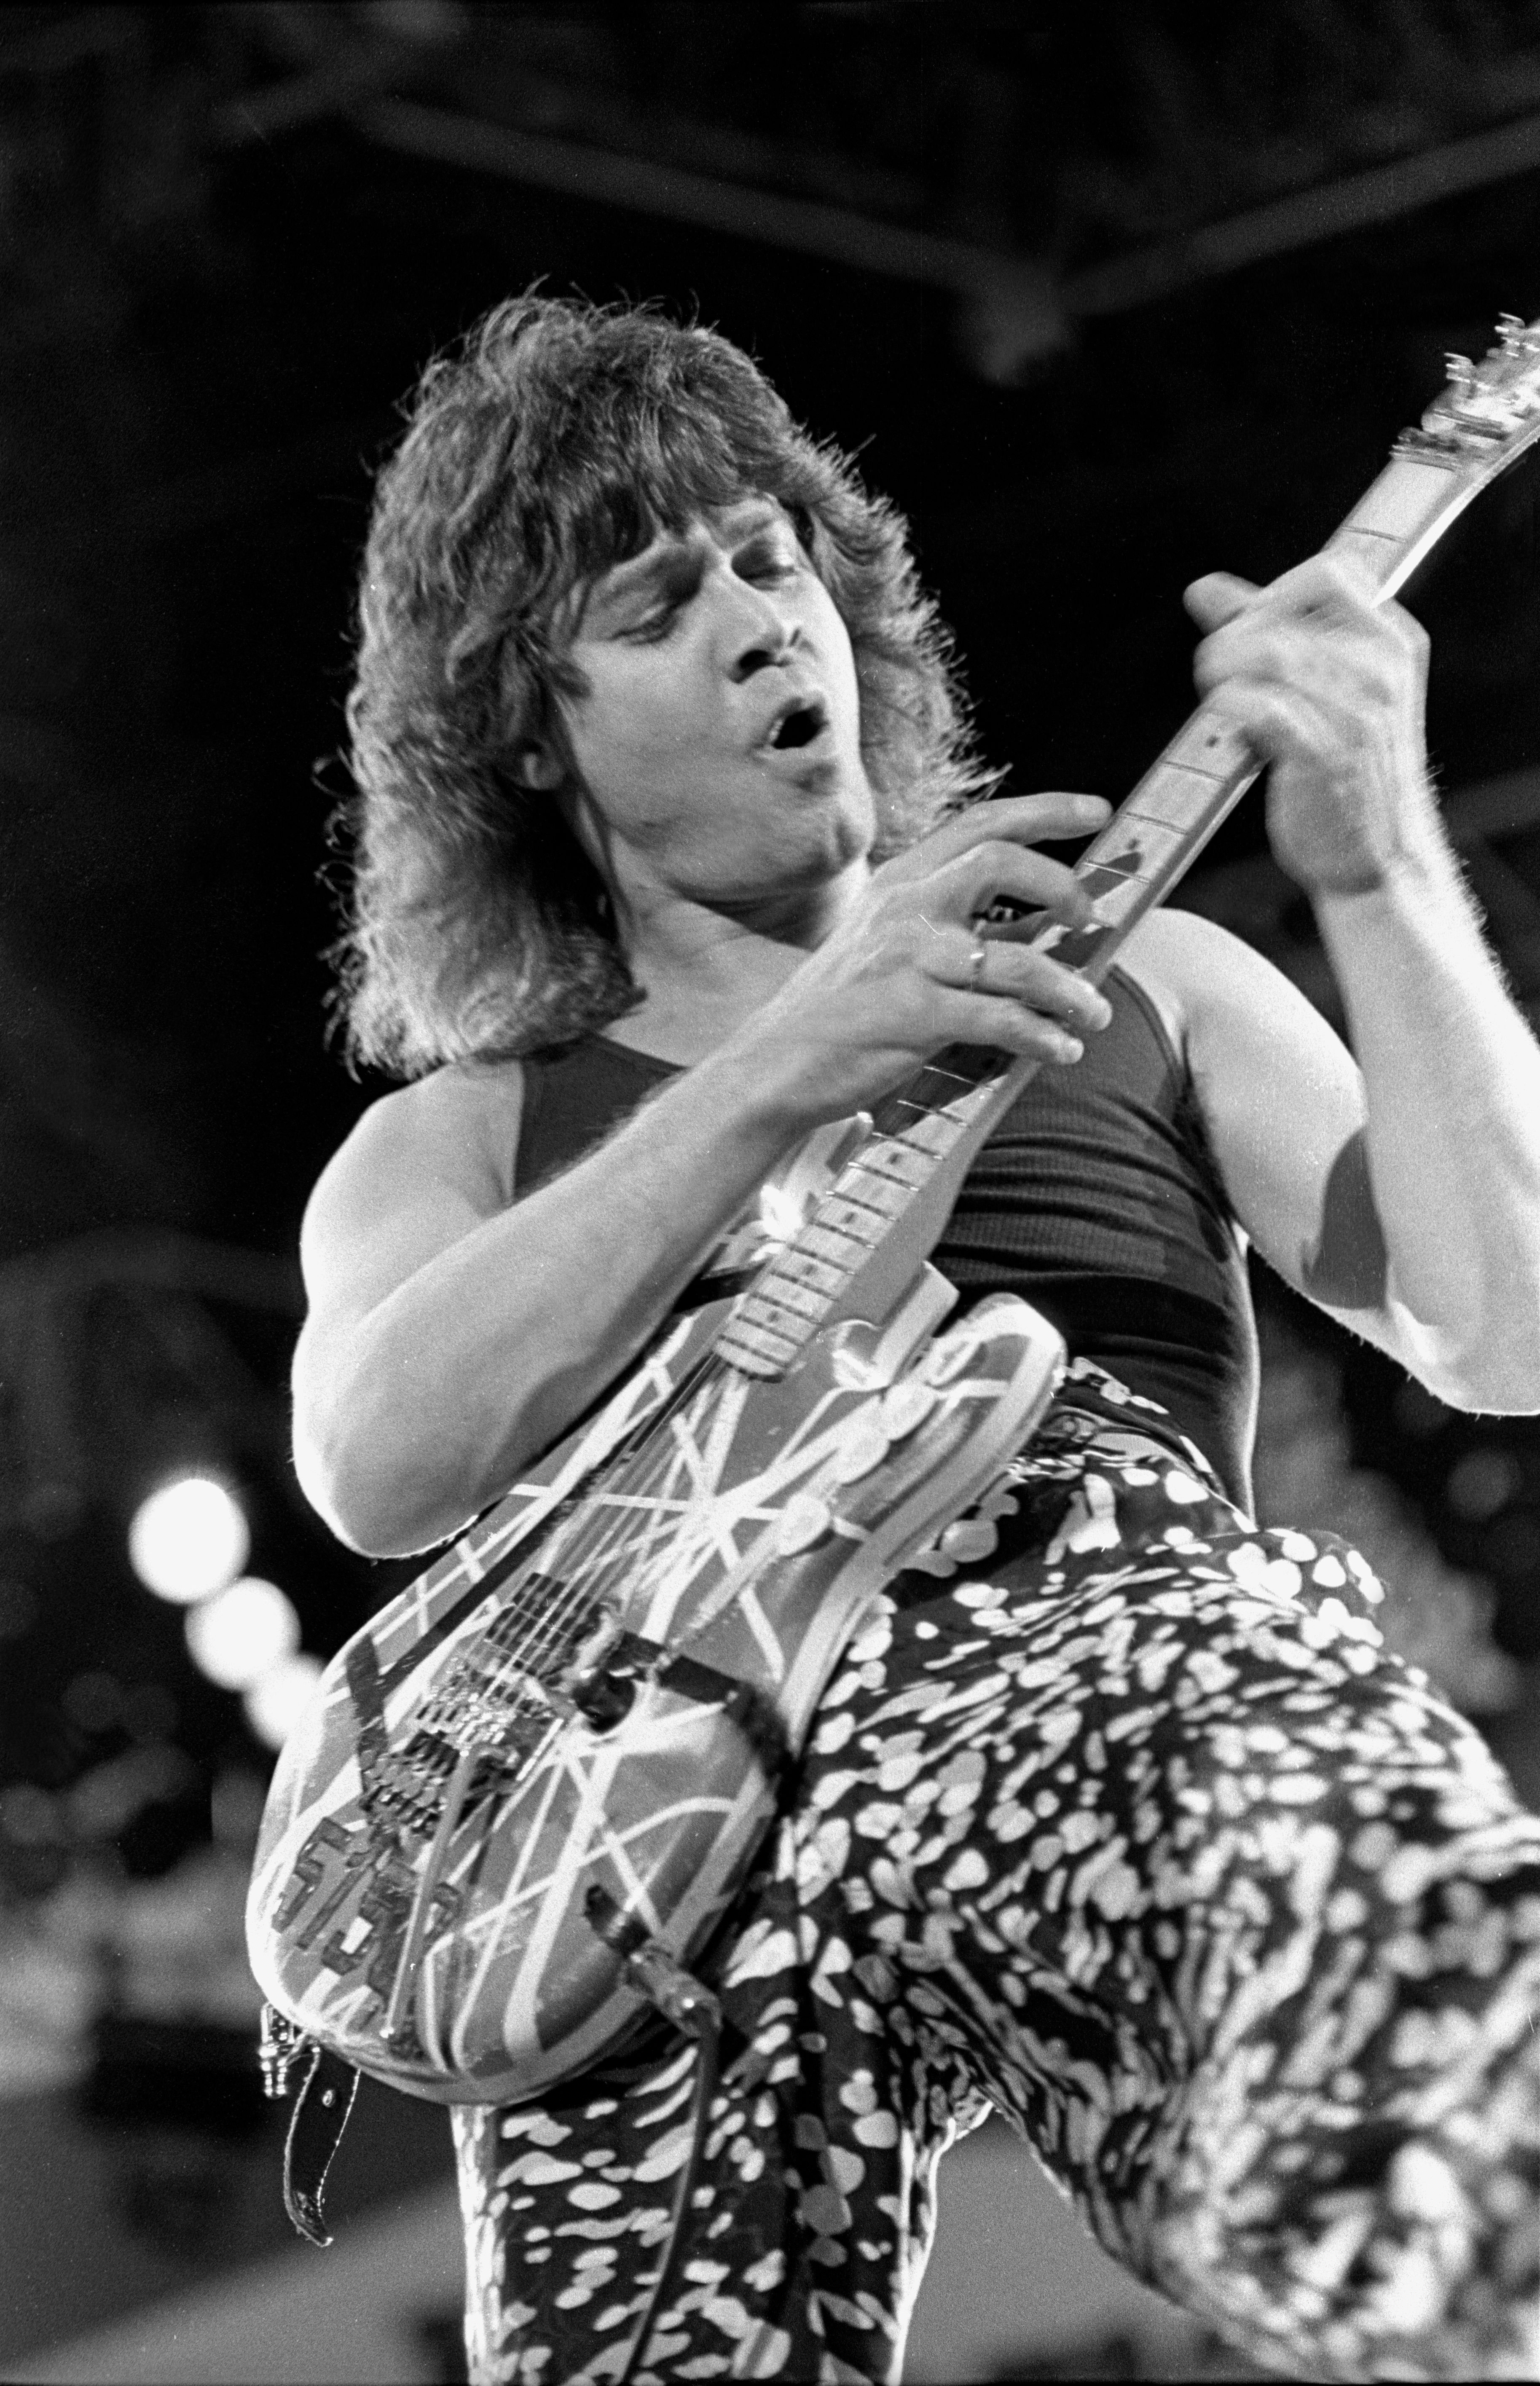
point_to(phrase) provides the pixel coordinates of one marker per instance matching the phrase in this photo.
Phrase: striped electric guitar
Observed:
(527, 1788)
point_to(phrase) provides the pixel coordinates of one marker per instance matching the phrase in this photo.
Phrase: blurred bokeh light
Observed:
(189, 1539)
(242, 1632)
(275, 1702)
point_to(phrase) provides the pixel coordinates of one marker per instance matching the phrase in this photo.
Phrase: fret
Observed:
(934, 1133)
(845, 1252)
(790, 1295)
(755, 1348)
(798, 1265)
(1206, 744)
(1399, 503)
(875, 1191)
(899, 1162)
(938, 1088)
(764, 1309)
(847, 1218)
(1168, 799)
(902, 1119)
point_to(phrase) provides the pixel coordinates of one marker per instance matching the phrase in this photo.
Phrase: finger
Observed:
(1038, 983)
(976, 964)
(1217, 597)
(1357, 666)
(989, 872)
(1056, 813)
(1282, 724)
(1010, 1028)
(1340, 587)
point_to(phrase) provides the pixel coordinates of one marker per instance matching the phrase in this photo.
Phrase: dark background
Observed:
(1104, 296)
(977, 243)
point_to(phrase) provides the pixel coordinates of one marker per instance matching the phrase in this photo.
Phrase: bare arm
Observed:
(1452, 1079)
(452, 1336)
(1406, 1198)
(1349, 1187)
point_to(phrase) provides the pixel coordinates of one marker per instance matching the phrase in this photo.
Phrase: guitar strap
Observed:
(320, 2115)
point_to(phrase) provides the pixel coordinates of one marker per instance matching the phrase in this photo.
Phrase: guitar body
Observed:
(423, 1895)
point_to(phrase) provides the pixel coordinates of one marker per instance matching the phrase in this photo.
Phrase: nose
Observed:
(759, 636)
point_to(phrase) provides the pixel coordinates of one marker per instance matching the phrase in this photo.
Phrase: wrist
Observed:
(1399, 937)
(1421, 869)
(752, 1090)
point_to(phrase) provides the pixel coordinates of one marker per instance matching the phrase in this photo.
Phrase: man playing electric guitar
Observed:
(1132, 1830)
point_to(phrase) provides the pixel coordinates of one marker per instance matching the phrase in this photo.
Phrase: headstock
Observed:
(1484, 408)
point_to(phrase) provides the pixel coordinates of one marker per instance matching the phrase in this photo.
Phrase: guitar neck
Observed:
(887, 1206)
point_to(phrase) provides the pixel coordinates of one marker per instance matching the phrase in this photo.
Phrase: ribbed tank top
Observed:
(1095, 1199)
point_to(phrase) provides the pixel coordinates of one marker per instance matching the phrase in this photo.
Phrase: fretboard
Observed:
(890, 1200)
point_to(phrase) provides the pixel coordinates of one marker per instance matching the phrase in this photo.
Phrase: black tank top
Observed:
(1095, 1199)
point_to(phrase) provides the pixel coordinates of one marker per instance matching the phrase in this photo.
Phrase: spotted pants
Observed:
(1147, 1843)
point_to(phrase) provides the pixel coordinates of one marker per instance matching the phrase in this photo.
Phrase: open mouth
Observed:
(798, 725)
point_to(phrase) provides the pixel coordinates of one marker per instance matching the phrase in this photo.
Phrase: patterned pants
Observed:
(1148, 1843)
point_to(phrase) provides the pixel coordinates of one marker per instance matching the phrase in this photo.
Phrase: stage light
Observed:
(242, 1633)
(274, 1703)
(188, 1539)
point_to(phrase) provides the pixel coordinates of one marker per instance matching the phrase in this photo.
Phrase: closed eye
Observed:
(656, 624)
(772, 558)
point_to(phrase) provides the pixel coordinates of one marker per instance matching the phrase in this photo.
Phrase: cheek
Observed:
(617, 734)
(826, 626)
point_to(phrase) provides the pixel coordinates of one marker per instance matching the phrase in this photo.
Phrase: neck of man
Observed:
(705, 967)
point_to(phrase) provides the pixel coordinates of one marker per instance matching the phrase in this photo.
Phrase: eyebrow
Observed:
(641, 575)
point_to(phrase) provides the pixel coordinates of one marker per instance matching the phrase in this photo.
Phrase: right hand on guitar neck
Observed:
(899, 976)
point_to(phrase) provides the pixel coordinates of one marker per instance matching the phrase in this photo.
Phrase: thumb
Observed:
(1217, 598)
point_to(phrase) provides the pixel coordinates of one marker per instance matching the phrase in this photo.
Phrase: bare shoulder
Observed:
(1187, 964)
(1213, 990)
(1282, 1101)
(421, 1167)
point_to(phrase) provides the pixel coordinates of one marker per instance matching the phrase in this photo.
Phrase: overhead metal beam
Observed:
(806, 227)
(1025, 285)
(1306, 218)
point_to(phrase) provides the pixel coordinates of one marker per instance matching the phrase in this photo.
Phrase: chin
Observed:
(846, 839)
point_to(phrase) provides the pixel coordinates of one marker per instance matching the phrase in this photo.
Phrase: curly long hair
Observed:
(559, 439)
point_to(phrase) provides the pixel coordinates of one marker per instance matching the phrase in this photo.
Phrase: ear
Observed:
(536, 767)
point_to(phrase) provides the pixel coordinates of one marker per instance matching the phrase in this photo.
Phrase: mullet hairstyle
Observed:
(558, 440)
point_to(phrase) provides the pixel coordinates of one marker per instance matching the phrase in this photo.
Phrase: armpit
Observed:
(1349, 1267)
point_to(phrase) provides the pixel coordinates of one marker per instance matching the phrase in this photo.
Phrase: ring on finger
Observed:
(976, 961)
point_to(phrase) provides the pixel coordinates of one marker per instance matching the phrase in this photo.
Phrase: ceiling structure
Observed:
(1038, 171)
(1105, 294)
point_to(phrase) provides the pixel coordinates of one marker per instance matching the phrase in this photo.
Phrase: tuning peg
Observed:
(1518, 339)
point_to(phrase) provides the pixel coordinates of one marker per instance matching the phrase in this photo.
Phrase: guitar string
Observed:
(608, 1544)
(649, 1467)
(597, 1545)
(546, 1631)
(646, 1467)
